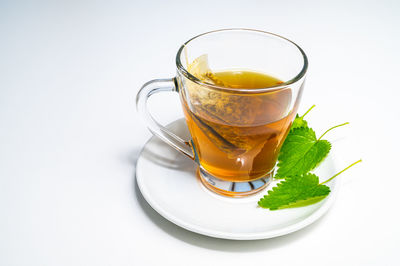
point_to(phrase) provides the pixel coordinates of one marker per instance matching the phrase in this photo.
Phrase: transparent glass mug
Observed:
(236, 133)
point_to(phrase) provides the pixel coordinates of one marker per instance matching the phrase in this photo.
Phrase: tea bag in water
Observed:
(246, 127)
(214, 111)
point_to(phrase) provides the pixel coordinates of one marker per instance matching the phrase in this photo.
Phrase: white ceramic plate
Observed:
(169, 184)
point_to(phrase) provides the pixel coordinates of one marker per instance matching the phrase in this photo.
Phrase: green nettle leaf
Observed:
(301, 152)
(298, 191)
(295, 191)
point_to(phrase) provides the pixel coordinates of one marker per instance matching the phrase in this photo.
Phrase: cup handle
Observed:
(148, 89)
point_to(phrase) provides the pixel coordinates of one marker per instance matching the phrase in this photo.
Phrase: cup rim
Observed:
(189, 76)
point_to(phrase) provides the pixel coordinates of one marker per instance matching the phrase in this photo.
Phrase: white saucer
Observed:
(168, 182)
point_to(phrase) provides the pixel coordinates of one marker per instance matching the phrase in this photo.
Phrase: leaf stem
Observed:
(333, 128)
(359, 161)
(308, 111)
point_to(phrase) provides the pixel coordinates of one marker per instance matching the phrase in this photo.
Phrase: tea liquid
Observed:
(237, 136)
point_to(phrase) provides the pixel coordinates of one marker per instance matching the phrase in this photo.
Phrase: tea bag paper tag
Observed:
(200, 69)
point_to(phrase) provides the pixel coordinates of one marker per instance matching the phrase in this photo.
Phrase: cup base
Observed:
(233, 189)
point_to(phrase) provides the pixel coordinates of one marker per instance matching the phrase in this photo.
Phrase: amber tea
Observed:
(237, 137)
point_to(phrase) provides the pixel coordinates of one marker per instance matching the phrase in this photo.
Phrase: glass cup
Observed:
(236, 133)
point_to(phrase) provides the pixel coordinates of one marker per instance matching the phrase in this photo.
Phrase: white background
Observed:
(70, 135)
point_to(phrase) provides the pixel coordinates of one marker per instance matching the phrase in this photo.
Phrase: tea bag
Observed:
(215, 112)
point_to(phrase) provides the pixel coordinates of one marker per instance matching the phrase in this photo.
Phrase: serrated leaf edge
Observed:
(277, 176)
(298, 202)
